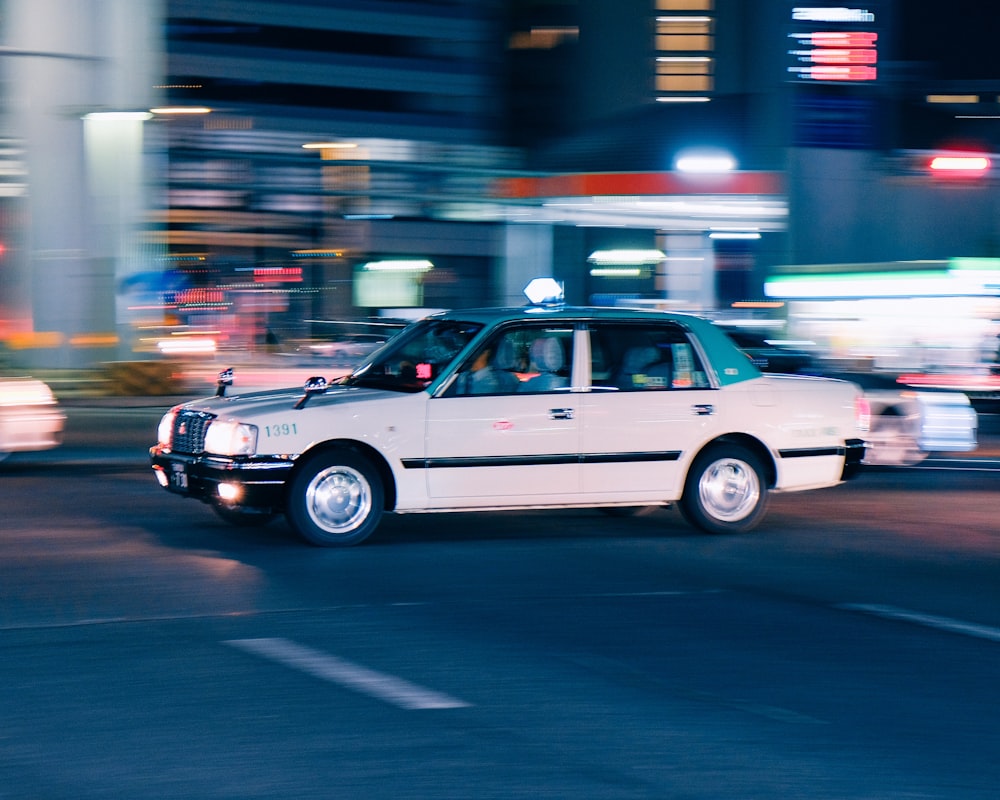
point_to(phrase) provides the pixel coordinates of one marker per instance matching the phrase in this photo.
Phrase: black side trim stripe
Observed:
(808, 452)
(627, 458)
(527, 461)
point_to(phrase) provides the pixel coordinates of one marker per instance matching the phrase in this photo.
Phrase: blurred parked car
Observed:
(908, 424)
(905, 424)
(30, 418)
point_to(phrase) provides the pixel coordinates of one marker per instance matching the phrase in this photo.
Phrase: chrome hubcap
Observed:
(729, 490)
(338, 499)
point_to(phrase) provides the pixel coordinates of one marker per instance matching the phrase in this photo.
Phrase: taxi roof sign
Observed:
(544, 291)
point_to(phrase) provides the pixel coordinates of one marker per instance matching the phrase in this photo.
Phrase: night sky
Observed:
(961, 38)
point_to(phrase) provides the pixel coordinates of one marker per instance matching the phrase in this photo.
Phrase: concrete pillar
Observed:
(528, 251)
(687, 276)
(87, 184)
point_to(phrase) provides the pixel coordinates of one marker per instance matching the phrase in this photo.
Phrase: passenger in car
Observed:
(642, 368)
(491, 373)
(547, 359)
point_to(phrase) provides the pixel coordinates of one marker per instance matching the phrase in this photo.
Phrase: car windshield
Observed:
(414, 358)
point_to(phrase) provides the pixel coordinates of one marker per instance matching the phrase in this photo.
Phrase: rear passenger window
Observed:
(642, 357)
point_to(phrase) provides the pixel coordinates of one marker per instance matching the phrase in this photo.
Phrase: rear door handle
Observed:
(561, 413)
(703, 409)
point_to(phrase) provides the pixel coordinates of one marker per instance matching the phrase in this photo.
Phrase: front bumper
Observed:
(257, 483)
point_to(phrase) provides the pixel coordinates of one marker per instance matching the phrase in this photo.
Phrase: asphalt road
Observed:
(848, 649)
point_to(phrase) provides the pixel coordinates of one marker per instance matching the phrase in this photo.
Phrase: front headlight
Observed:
(231, 438)
(165, 430)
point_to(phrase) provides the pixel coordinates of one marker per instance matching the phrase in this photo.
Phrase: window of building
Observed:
(685, 5)
(684, 34)
(684, 74)
(684, 43)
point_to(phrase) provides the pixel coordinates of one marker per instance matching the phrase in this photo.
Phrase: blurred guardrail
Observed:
(124, 378)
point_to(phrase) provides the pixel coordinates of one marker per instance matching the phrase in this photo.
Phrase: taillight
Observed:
(863, 413)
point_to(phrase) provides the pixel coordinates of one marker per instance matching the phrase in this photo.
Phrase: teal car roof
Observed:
(730, 364)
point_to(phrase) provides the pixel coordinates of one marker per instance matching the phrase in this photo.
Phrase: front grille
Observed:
(188, 435)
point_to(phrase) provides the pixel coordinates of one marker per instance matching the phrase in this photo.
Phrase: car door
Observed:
(649, 402)
(514, 438)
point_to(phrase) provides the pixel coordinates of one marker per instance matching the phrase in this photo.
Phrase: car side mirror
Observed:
(314, 385)
(225, 379)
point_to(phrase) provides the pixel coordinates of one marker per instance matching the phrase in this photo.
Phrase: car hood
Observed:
(252, 404)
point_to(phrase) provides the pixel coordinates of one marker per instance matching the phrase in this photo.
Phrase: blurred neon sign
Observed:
(833, 14)
(837, 56)
(853, 39)
(837, 51)
(277, 274)
(838, 73)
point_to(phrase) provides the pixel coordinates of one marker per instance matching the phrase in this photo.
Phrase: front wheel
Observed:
(335, 499)
(726, 491)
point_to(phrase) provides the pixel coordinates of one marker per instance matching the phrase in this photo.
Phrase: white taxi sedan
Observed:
(535, 407)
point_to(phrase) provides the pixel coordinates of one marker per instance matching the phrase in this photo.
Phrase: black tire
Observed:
(335, 499)
(243, 517)
(726, 490)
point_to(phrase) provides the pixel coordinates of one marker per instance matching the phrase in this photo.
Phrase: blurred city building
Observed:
(187, 175)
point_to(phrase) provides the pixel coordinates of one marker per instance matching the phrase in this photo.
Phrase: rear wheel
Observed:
(726, 490)
(335, 499)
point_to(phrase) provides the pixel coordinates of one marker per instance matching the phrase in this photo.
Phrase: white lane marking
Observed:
(928, 620)
(958, 465)
(388, 688)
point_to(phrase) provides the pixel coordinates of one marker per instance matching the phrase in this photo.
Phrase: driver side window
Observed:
(528, 359)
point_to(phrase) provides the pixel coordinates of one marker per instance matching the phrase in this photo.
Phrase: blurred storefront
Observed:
(928, 316)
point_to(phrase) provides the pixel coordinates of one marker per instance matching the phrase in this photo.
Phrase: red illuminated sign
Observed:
(836, 56)
(277, 274)
(842, 73)
(836, 52)
(840, 38)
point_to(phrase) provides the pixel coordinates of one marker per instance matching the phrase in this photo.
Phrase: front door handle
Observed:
(703, 409)
(561, 413)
